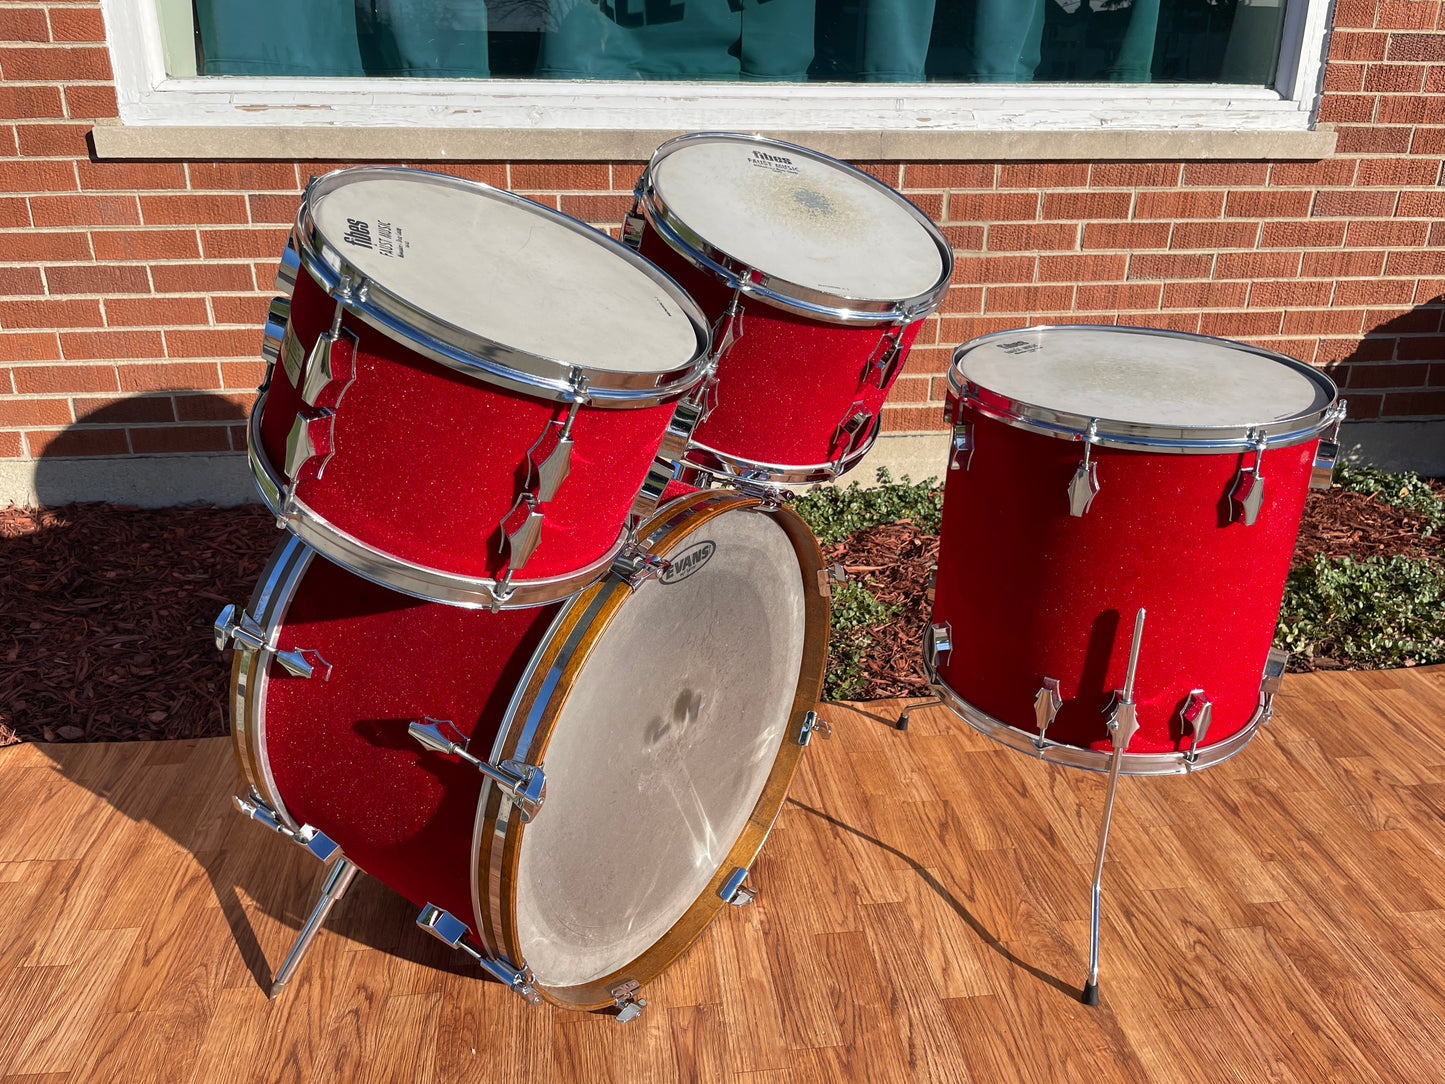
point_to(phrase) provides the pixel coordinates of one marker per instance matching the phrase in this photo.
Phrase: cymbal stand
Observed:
(337, 882)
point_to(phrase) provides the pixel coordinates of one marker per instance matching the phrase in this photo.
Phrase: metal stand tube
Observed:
(337, 881)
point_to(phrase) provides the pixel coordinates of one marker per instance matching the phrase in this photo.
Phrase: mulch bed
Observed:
(106, 611)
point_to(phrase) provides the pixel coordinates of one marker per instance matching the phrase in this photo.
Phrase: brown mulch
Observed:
(106, 611)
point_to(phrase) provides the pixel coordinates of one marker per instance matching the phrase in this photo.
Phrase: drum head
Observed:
(670, 748)
(1163, 381)
(496, 268)
(799, 216)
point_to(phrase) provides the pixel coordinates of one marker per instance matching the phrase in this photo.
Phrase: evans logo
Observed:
(688, 561)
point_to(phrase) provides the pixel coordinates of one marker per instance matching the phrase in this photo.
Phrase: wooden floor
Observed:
(923, 916)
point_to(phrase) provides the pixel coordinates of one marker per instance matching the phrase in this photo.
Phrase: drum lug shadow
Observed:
(626, 996)
(312, 839)
(450, 930)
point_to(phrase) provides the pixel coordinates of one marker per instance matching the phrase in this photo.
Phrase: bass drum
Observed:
(665, 707)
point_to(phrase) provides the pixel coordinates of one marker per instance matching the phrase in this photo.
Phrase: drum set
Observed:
(543, 643)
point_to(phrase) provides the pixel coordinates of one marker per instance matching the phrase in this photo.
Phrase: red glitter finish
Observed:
(339, 751)
(1032, 592)
(786, 385)
(674, 490)
(427, 461)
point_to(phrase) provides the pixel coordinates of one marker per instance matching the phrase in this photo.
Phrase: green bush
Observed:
(835, 512)
(1405, 489)
(855, 611)
(1379, 612)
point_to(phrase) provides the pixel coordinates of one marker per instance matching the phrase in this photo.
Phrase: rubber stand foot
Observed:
(902, 723)
(1090, 996)
(276, 989)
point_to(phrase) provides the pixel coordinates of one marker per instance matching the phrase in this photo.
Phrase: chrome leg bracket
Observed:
(628, 998)
(450, 930)
(734, 891)
(337, 882)
(907, 712)
(313, 839)
(812, 724)
(524, 784)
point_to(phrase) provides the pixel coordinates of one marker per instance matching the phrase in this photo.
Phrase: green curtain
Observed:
(279, 37)
(435, 38)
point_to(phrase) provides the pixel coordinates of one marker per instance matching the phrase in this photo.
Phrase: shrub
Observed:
(835, 512)
(855, 612)
(1405, 489)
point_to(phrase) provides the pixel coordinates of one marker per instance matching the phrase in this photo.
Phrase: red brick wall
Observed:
(132, 293)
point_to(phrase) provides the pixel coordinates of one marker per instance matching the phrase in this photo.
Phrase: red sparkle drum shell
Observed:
(333, 751)
(1031, 592)
(798, 396)
(435, 428)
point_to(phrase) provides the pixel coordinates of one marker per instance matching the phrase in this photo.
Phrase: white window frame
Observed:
(148, 97)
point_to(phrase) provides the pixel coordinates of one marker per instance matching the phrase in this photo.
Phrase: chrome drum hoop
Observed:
(1139, 436)
(1096, 760)
(472, 354)
(754, 282)
(728, 469)
(407, 577)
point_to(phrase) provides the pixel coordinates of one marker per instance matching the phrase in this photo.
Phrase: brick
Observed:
(1268, 203)
(180, 438)
(1430, 292)
(1422, 348)
(1043, 174)
(77, 24)
(52, 140)
(912, 419)
(165, 312)
(938, 389)
(21, 280)
(203, 210)
(238, 435)
(1164, 265)
(18, 177)
(86, 102)
(926, 360)
(1372, 139)
(1360, 13)
(1213, 235)
(597, 208)
(1407, 14)
(1330, 171)
(22, 413)
(1117, 297)
(560, 176)
(23, 103)
(1290, 348)
(1239, 325)
(1407, 109)
(1437, 235)
(211, 342)
(274, 209)
(23, 24)
(168, 376)
(1276, 293)
(53, 443)
(131, 175)
(1032, 237)
(1077, 267)
(992, 207)
(963, 329)
(85, 210)
(1386, 233)
(1413, 403)
(967, 238)
(8, 147)
(1395, 172)
(1345, 78)
(1364, 407)
(1256, 265)
(1402, 321)
(214, 408)
(625, 174)
(930, 203)
(963, 299)
(985, 270)
(1344, 264)
(15, 213)
(29, 346)
(1358, 45)
(244, 176)
(72, 64)
(1403, 47)
(64, 379)
(1029, 298)
(1323, 321)
(244, 374)
(1134, 174)
(176, 278)
(1430, 261)
(22, 245)
(1175, 321)
(1204, 295)
(491, 173)
(1312, 234)
(249, 310)
(1375, 292)
(146, 244)
(1370, 348)
(1226, 174)
(1126, 235)
(1196, 203)
(11, 446)
(910, 390)
(83, 345)
(949, 175)
(97, 279)
(1435, 79)
(1387, 376)
(130, 409)
(1352, 203)
(50, 312)
(1087, 205)
(241, 244)
(1348, 108)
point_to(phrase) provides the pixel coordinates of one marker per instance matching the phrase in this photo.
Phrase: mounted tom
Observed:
(467, 389)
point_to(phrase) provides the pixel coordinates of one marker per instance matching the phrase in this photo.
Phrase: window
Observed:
(796, 65)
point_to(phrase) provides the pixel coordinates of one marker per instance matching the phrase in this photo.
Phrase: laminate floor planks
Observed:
(923, 916)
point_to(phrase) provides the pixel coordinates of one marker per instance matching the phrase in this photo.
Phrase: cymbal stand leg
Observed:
(902, 723)
(337, 882)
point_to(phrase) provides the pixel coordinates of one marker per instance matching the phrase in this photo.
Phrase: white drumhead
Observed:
(662, 750)
(811, 222)
(505, 270)
(1141, 377)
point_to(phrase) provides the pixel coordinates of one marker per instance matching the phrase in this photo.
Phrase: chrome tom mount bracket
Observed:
(315, 841)
(1084, 486)
(450, 930)
(238, 629)
(524, 784)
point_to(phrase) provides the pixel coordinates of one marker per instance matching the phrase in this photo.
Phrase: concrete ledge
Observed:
(480, 144)
(151, 481)
(1397, 445)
